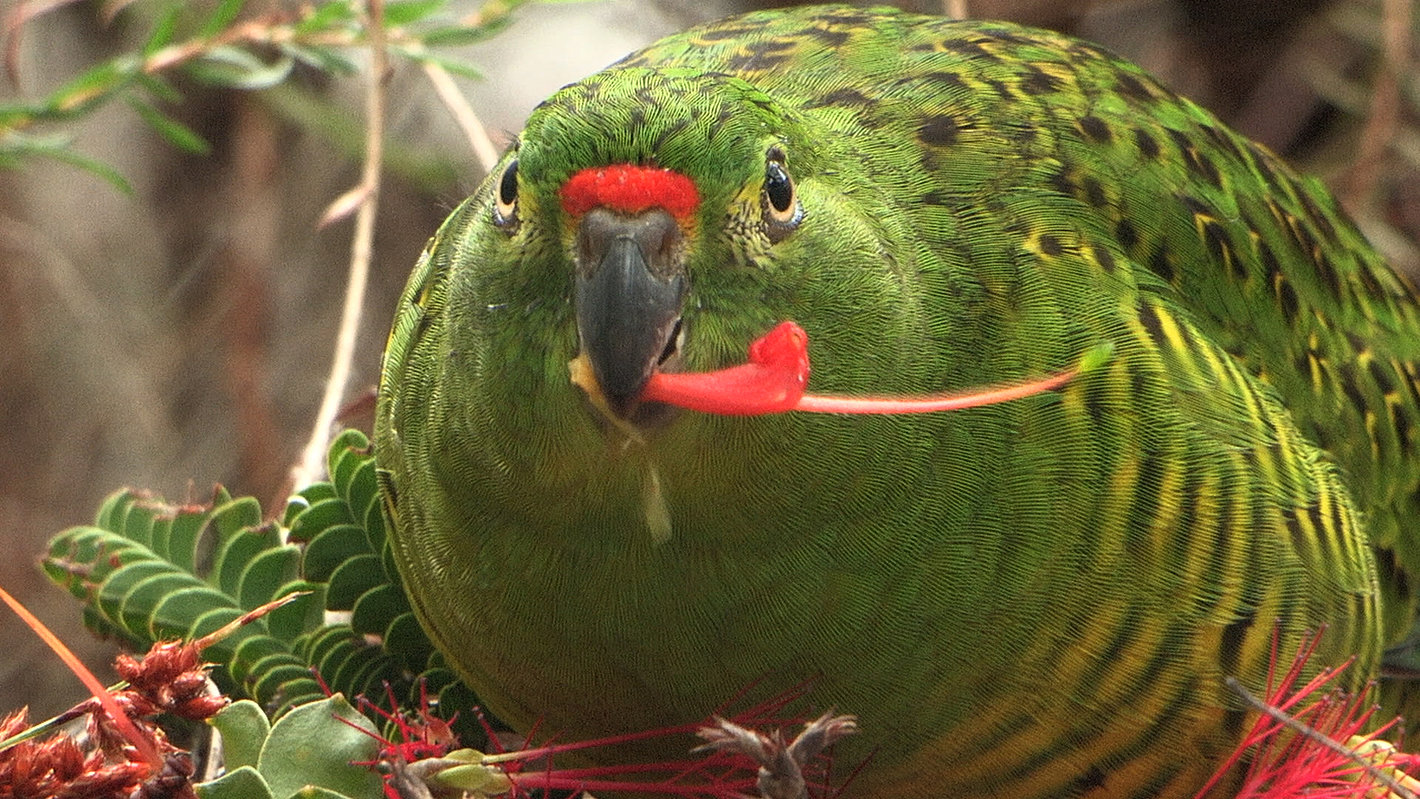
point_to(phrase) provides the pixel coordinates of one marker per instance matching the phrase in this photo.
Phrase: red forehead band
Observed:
(630, 189)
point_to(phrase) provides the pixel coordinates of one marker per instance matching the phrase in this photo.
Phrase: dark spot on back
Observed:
(748, 62)
(1038, 81)
(1286, 297)
(1096, 128)
(1215, 237)
(1390, 571)
(830, 38)
(1149, 318)
(1349, 387)
(1094, 192)
(1062, 182)
(1002, 89)
(950, 79)
(1126, 235)
(769, 45)
(1317, 216)
(1162, 265)
(1050, 245)
(968, 48)
(1148, 147)
(1382, 375)
(840, 97)
(1132, 87)
(937, 131)
(1261, 160)
(725, 33)
(1105, 259)
(1091, 780)
(1230, 647)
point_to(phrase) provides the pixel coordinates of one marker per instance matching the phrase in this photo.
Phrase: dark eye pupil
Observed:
(508, 185)
(778, 188)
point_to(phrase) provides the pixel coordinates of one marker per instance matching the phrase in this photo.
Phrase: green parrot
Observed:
(1037, 598)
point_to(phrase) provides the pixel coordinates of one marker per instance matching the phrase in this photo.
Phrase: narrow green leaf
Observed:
(176, 133)
(406, 12)
(238, 69)
(325, 59)
(96, 168)
(222, 16)
(99, 84)
(455, 35)
(452, 65)
(163, 30)
(328, 16)
(160, 88)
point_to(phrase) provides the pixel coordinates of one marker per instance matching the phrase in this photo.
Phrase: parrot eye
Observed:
(505, 209)
(782, 212)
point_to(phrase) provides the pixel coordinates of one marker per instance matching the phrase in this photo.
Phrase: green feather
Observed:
(1040, 598)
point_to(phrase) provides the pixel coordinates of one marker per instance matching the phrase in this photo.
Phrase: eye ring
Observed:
(782, 210)
(505, 197)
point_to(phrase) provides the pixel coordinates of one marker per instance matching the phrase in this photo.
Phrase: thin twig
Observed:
(458, 105)
(1375, 772)
(312, 460)
(956, 9)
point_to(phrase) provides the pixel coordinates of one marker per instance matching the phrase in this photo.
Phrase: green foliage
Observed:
(308, 753)
(222, 46)
(147, 570)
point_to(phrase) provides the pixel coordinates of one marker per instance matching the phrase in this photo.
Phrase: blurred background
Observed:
(179, 335)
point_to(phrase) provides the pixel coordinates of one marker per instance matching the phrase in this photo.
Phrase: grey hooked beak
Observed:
(631, 282)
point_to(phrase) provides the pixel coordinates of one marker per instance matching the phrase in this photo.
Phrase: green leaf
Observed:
(94, 167)
(242, 783)
(160, 88)
(405, 12)
(325, 59)
(222, 16)
(453, 66)
(318, 517)
(93, 87)
(377, 609)
(311, 745)
(456, 35)
(353, 578)
(328, 16)
(266, 573)
(312, 792)
(244, 728)
(238, 69)
(163, 29)
(176, 133)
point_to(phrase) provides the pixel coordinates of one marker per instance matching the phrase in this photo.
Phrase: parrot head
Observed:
(636, 199)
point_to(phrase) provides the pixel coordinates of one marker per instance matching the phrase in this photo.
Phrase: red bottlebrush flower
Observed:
(736, 761)
(1309, 740)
